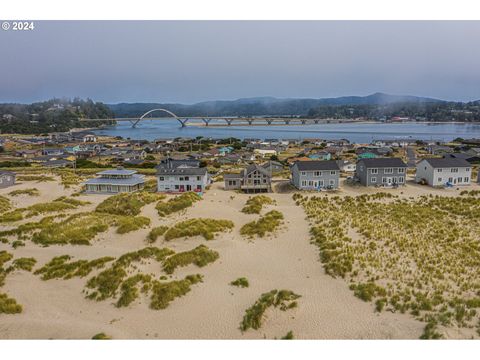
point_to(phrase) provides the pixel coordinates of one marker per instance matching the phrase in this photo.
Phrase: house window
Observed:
(459, 180)
(373, 179)
(310, 183)
(401, 170)
(333, 172)
(467, 169)
(198, 178)
(187, 178)
(389, 171)
(177, 187)
(304, 182)
(317, 173)
(181, 178)
(320, 183)
(439, 179)
(373, 171)
(331, 182)
(161, 178)
(401, 179)
(303, 173)
(454, 170)
(438, 170)
(384, 180)
(467, 180)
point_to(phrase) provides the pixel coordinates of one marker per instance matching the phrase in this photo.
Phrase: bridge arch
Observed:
(182, 122)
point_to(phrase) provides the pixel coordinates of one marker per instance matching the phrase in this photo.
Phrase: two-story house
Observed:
(182, 179)
(381, 172)
(252, 179)
(444, 171)
(315, 175)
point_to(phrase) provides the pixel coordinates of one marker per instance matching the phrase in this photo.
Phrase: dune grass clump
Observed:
(177, 203)
(283, 299)
(163, 293)
(128, 204)
(23, 263)
(37, 178)
(4, 204)
(288, 336)
(129, 291)
(267, 223)
(200, 256)
(127, 224)
(194, 227)
(255, 204)
(418, 255)
(9, 305)
(60, 267)
(101, 336)
(29, 192)
(240, 282)
(156, 232)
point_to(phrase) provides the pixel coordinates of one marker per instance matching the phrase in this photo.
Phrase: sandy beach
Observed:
(327, 309)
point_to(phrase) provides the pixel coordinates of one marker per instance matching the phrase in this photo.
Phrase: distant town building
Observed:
(252, 179)
(316, 175)
(381, 172)
(115, 181)
(347, 166)
(7, 178)
(444, 171)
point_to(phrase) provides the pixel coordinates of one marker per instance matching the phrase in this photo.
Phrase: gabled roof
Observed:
(383, 163)
(253, 167)
(316, 165)
(447, 162)
(117, 172)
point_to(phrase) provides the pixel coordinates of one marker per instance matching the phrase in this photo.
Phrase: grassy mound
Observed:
(284, 299)
(165, 292)
(156, 232)
(255, 204)
(101, 336)
(240, 282)
(199, 256)
(30, 192)
(177, 203)
(26, 264)
(128, 204)
(194, 227)
(127, 224)
(266, 224)
(60, 268)
(4, 204)
(419, 256)
(37, 178)
(129, 291)
(9, 305)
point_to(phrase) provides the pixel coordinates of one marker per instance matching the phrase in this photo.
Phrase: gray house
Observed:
(182, 179)
(445, 171)
(315, 175)
(381, 172)
(115, 181)
(254, 179)
(7, 178)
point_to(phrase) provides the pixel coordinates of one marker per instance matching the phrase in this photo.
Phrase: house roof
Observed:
(5, 172)
(232, 176)
(182, 171)
(117, 172)
(252, 167)
(316, 165)
(464, 156)
(447, 162)
(383, 163)
(134, 180)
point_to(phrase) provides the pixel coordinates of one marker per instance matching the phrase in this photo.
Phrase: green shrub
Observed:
(17, 243)
(4, 204)
(165, 292)
(9, 305)
(240, 282)
(101, 336)
(194, 227)
(430, 333)
(30, 192)
(24, 263)
(128, 204)
(266, 224)
(59, 267)
(156, 232)
(129, 291)
(254, 204)
(367, 291)
(289, 336)
(199, 256)
(177, 203)
(127, 224)
(284, 299)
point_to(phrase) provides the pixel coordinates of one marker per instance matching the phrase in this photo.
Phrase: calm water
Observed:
(359, 133)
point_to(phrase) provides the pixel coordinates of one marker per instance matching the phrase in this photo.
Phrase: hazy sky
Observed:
(188, 61)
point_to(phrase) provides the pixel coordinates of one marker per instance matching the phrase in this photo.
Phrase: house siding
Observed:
(315, 179)
(440, 176)
(373, 176)
(6, 180)
(177, 183)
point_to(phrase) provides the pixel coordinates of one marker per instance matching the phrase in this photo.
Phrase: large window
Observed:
(454, 170)
(373, 171)
(389, 171)
(373, 179)
(401, 170)
(317, 173)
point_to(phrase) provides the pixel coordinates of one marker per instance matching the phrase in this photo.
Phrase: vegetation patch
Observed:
(156, 232)
(283, 299)
(101, 336)
(128, 204)
(419, 256)
(177, 203)
(288, 336)
(200, 256)
(4, 204)
(30, 192)
(60, 267)
(240, 282)
(163, 293)
(37, 178)
(26, 264)
(194, 227)
(127, 224)
(9, 305)
(255, 204)
(267, 223)
(129, 290)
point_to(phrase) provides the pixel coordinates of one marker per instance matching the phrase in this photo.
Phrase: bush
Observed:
(30, 192)
(254, 204)
(129, 291)
(24, 263)
(199, 256)
(101, 336)
(177, 203)
(127, 224)
(240, 282)
(4, 204)
(59, 267)
(128, 204)
(367, 291)
(165, 292)
(266, 224)
(194, 227)
(9, 305)
(156, 232)
(289, 336)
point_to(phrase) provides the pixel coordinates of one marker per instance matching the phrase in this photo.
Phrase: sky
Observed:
(193, 61)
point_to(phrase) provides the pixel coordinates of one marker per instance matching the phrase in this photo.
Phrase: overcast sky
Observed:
(187, 61)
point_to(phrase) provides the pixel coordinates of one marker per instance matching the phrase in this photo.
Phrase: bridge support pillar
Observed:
(269, 122)
(229, 121)
(206, 121)
(183, 122)
(304, 122)
(250, 121)
(316, 121)
(287, 122)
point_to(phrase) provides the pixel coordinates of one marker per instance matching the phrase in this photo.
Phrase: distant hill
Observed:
(264, 105)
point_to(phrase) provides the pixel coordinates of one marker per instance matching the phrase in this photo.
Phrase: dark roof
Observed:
(5, 172)
(383, 163)
(175, 163)
(316, 165)
(463, 156)
(253, 167)
(232, 176)
(182, 171)
(447, 162)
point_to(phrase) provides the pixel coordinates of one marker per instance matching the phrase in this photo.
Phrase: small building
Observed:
(254, 179)
(347, 166)
(367, 155)
(265, 152)
(315, 175)
(273, 167)
(320, 155)
(115, 181)
(381, 172)
(182, 179)
(7, 178)
(444, 171)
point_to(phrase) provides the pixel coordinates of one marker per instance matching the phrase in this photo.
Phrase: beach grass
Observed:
(200, 256)
(255, 204)
(195, 227)
(240, 282)
(163, 293)
(156, 232)
(177, 203)
(29, 191)
(267, 223)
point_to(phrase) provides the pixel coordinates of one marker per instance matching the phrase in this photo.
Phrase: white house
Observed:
(444, 171)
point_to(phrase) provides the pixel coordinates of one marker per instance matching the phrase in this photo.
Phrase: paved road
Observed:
(412, 157)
